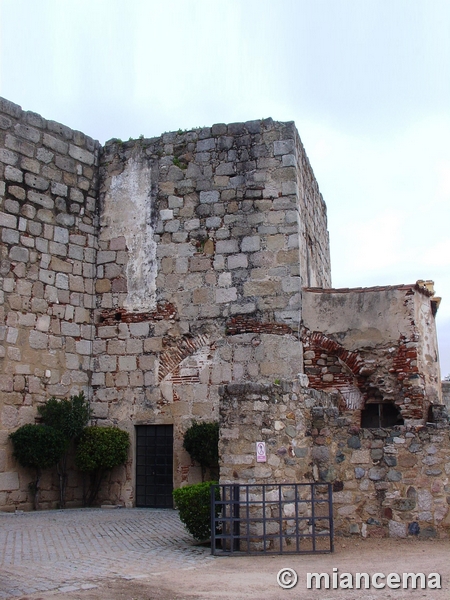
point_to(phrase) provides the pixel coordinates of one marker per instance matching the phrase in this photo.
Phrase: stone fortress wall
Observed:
(202, 256)
(148, 273)
(48, 219)
(165, 276)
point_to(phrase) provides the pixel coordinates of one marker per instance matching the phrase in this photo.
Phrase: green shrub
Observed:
(38, 447)
(102, 448)
(194, 506)
(99, 450)
(201, 440)
(70, 417)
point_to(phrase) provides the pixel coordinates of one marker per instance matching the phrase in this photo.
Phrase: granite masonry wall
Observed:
(147, 274)
(387, 482)
(48, 190)
(206, 238)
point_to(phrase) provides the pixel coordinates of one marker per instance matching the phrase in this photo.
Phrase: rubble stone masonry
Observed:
(446, 394)
(386, 482)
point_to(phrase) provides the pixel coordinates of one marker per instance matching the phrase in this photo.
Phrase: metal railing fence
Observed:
(284, 518)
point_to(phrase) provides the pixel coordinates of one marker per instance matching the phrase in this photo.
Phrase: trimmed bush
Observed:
(38, 447)
(194, 506)
(102, 448)
(99, 450)
(201, 440)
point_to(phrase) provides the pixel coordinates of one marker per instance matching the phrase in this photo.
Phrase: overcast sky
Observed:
(366, 81)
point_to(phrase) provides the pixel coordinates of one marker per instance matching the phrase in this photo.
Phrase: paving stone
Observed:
(73, 549)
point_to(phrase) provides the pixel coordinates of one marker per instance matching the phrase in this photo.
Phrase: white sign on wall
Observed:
(261, 452)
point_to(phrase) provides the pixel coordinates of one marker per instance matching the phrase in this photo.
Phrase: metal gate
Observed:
(154, 466)
(285, 518)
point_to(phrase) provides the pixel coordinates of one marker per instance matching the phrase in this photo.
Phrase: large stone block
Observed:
(226, 295)
(261, 288)
(10, 236)
(19, 145)
(27, 132)
(227, 246)
(283, 147)
(9, 417)
(251, 244)
(7, 157)
(41, 199)
(209, 197)
(81, 154)
(9, 481)
(55, 144)
(38, 183)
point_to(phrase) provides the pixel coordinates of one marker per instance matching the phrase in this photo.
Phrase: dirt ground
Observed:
(256, 577)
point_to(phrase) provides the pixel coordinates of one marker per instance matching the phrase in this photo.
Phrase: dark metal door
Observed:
(154, 466)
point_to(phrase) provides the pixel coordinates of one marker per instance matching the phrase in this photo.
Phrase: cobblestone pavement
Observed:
(72, 549)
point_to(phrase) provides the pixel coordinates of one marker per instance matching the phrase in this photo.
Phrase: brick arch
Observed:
(318, 340)
(171, 358)
(339, 371)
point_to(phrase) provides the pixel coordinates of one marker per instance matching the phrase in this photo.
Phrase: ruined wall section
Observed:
(220, 301)
(48, 188)
(427, 348)
(386, 482)
(373, 344)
